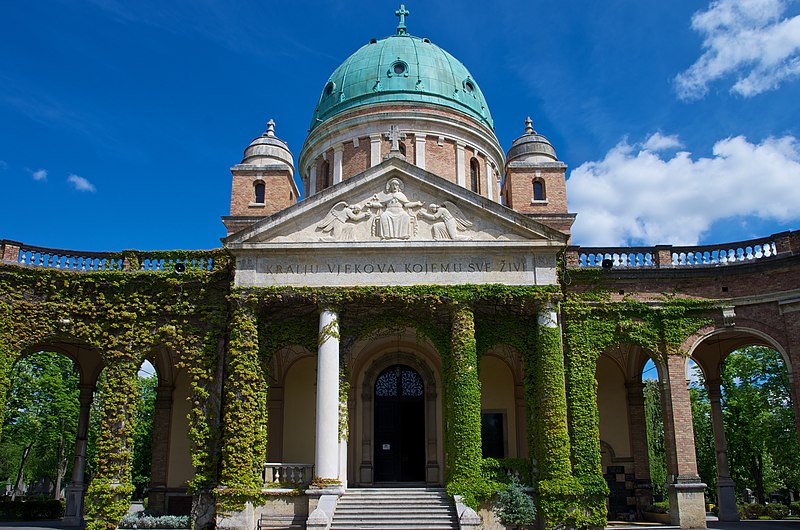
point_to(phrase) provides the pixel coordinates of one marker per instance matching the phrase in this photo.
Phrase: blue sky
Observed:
(119, 121)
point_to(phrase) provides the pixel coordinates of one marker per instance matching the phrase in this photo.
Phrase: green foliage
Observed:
(506, 470)
(514, 506)
(244, 411)
(704, 436)
(795, 508)
(122, 315)
(42, 417)
(759, 422)
(750, 511)
(776, 511)
(654, 422)
(143, 436)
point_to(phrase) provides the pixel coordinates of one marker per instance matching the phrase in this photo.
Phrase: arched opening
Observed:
(325, 174)
(40, 427)
(474, 175)
(744, 419)
(498, 409)
(259, 189)
(299, 411)
(538, 190)
(399, 425)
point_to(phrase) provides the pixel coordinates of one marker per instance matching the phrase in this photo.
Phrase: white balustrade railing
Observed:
(678, 257)
(132, 261)
(285, 473)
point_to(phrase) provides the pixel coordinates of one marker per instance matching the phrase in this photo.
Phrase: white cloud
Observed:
(748, 38)
(636, 195)
(659, 142)
(38, 175)
(81, 184)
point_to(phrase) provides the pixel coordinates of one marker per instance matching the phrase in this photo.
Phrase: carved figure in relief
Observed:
(448, 220)
(341, 221)
(393, 220)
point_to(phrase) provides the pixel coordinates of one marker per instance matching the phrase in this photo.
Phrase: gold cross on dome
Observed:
(402, 13)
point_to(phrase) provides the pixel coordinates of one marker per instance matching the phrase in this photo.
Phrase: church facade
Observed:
(417, 319)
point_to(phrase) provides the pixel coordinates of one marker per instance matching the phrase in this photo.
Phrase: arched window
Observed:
(326, 174)
(538, 190)
(474, 175)
(260, 191)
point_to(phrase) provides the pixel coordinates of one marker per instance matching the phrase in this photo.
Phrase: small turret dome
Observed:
(268, 149)
(401, 68)
(531, 147)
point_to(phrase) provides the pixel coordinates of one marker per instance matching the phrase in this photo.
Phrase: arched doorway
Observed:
(399, 425)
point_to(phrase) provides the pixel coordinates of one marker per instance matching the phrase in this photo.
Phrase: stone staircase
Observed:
(395, 509)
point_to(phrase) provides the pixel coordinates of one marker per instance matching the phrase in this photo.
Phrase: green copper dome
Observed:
(401, 68)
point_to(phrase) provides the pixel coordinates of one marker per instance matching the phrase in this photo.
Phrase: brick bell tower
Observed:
(535, 183)
(263, 182)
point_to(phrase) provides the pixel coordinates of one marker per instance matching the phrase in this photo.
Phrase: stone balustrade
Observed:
(284, 473)
(83, 261)
(678, 257)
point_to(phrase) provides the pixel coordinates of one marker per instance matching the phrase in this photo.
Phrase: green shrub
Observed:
(776, 511)
(515, 507)
(504, 470)
(750, 511)
(658, 507)
(795, 507)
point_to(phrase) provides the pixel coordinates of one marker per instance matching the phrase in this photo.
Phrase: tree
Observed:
(654, 422)
(759, 423)
(143, 439)
(704, 435)
(40, 426)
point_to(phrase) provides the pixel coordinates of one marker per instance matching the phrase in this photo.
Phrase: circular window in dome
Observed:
(398, 68)
(329, 88)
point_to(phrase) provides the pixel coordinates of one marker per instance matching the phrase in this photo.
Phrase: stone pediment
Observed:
(395, 203)
(395, 224)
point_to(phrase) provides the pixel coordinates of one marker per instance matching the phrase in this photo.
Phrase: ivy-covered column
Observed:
(558, 490)
(726, 492)
(73, 511)
(462, 395)
(686, 498)
(109, 494)
(244, 438)
(326, 451)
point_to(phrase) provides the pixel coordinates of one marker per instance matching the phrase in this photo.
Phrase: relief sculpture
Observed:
(392, 216)
(394, 220)
(448, 220)
(341, 221)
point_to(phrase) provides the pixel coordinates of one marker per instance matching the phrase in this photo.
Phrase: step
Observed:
(395, 509)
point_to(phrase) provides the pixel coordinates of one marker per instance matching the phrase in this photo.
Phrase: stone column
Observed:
(312, 180)
(419, 150)
(726, 489)
(326, 453)
(374, 150)
(638, 434)
(461, 176)
(73, 512)
(162, 418)
(338, 151)
(686, 498)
